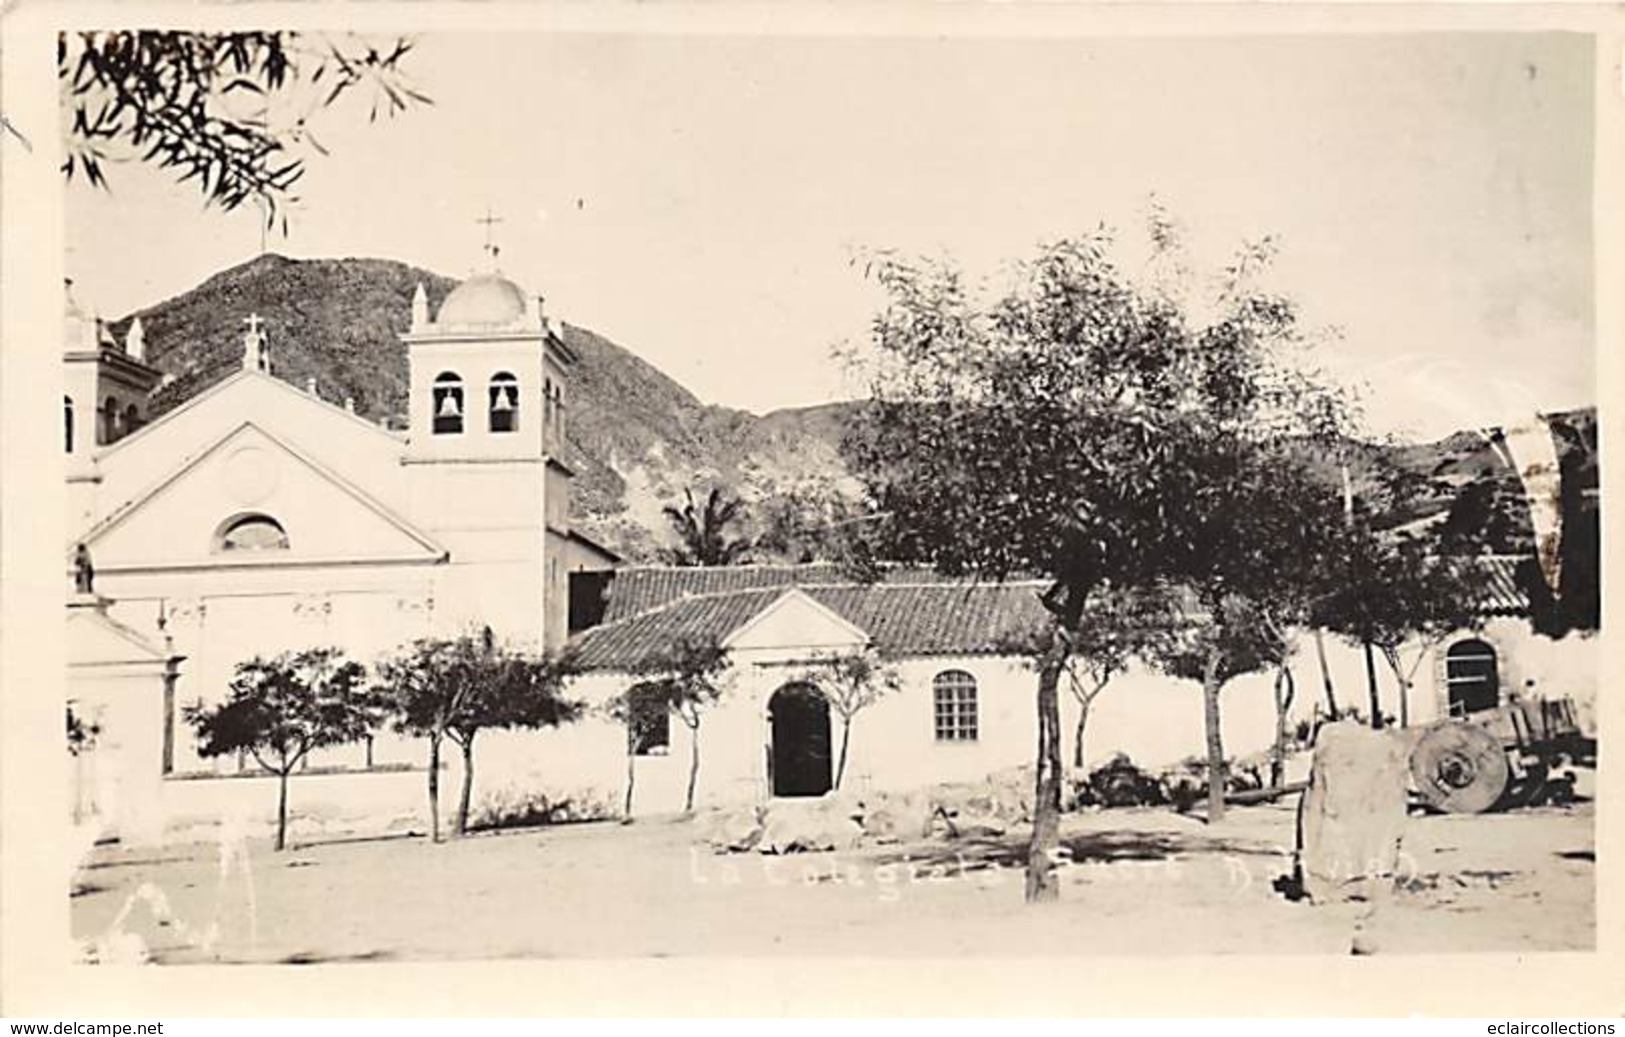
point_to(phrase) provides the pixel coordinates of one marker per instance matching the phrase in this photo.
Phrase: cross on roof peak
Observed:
(489, 220)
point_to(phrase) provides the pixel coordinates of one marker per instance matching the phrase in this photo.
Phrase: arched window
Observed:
(252, 533)
(1472, 677)
(648, 722)
(132, 419)
(547, 403)
(67, 423)
(504, 402)
(448, 404)
(953, 694)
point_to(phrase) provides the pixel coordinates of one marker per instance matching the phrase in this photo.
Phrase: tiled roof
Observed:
(911, 612)
(1498, 590)
(637, 590)
(900, 618)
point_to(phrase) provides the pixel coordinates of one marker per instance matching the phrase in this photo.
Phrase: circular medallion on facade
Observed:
(251, 475)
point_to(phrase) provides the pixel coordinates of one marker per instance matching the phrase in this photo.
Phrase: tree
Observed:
(643, 711)
(1382, 589)
(851, 682)
(1065, 429)
(82, 734)
(683, 678)
(1121, 626)
(456, 688)
(703, 536)
(1285, 690)
(280, 709)
(229, 110)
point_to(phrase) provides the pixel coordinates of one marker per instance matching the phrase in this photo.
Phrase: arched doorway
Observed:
(799, 756)
(1472, 676)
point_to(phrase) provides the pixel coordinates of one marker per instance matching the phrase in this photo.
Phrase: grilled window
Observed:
(954, 701)
(1472, 677)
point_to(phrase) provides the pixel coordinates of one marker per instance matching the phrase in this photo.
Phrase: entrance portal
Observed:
(799, 758)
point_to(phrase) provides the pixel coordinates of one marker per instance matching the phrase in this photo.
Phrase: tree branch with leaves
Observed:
(455, 688)
(281, 709)
(851, 682)
(232, 111)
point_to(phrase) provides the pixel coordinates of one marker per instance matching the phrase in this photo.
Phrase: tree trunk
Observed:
(1403, 681)
(434, 785)
(840, 760)
(1284, 693)
(282, 806)
(1325, 671)
(631, 776)
(1215, 741)
(468, 785)
(1371, 687)
(1042, 884)
(1077, 738)
(1278, 758)
(693, 766)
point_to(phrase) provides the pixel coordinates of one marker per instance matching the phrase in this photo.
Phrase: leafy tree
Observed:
(642, 710)
(1386, 590)
(229, 110)
(684, 678)
(703, 536)
(82, 735)
(280, 709)
(1121, 626)
(851, 682)
(1069, 428)
(456, 688)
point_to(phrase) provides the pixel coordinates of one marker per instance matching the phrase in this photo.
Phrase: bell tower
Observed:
(106, 390)
(486, 402)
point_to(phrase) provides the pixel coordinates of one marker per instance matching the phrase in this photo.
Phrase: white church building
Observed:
(258, 517)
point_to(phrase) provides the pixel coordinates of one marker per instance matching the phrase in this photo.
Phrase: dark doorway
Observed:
(799, 757)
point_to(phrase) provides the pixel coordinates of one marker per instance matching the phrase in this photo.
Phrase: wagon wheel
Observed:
(1460, 768)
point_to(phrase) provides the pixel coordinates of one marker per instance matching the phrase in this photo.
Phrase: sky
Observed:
(700, 200)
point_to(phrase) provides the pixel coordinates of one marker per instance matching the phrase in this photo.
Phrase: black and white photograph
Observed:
(538, 491)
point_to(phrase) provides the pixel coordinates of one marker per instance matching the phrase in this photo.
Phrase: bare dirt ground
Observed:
(1138, 882)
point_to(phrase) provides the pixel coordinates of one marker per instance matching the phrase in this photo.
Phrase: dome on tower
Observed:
(486, 300)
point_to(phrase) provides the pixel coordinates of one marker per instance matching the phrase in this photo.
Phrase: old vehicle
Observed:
(1499, 757)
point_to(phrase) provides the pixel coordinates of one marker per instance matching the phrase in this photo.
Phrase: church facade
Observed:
(256, 518)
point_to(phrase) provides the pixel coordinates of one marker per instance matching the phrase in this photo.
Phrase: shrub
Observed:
(529, 808)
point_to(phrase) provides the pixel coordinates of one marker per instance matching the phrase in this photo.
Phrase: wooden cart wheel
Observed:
(1460, 768)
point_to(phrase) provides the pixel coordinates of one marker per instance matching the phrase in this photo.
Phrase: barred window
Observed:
(954, 697)
(1471, 677)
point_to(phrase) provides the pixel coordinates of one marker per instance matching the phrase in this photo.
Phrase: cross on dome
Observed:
(490, 220)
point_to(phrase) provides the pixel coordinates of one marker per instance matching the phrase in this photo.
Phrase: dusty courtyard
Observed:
(1138, 882)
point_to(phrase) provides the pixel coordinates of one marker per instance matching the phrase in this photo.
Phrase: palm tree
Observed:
(703, 537)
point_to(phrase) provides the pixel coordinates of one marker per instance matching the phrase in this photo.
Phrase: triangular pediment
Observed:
(794, 621)
(327, 518)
